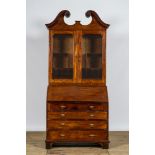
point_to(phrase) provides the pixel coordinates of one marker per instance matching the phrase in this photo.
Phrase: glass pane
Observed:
(62, 56)
(92, 56)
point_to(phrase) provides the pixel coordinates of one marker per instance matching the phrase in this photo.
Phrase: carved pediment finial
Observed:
(94, 15)
(63, 13)
(67, 13)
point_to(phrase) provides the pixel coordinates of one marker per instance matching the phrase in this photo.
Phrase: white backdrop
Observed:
(115, 13)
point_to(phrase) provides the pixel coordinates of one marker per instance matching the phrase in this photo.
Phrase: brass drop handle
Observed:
(92, 135)
(62, 135)
(62, 115)
(91, 115)
(91, 107)
(91, 125)
(62, 106)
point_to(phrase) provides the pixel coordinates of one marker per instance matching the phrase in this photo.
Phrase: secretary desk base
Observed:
(77, 115)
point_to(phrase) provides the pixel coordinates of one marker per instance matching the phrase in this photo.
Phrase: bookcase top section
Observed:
(59, 23)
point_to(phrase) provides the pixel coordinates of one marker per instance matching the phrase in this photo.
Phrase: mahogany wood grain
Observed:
(78, 115)
(70, 124)
(77, 135)
(77, 109)
(75, 93)
(58, 26)
(77, 106)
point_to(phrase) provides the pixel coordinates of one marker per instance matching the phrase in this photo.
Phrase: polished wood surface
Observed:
(77, 96)
(74, 93)
(78, 124)
(77, 135)
(77, 106)
(78, 115)
(58, 26)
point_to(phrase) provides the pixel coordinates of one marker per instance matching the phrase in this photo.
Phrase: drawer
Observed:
(77, 115)
(80, 106)
(76, 135)
(58, 124)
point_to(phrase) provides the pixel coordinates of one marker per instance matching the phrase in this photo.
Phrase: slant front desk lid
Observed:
(75, 93)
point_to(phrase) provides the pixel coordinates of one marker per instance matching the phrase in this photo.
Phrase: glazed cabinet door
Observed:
(61, 59)
(93, 57)
(77, 57)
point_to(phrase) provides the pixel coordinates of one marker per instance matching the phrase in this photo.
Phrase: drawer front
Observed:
(74, 135)
(58, 124)
(80, 106)
(77, 115)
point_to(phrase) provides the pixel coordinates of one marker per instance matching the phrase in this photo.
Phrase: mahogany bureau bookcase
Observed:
(77, 98)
